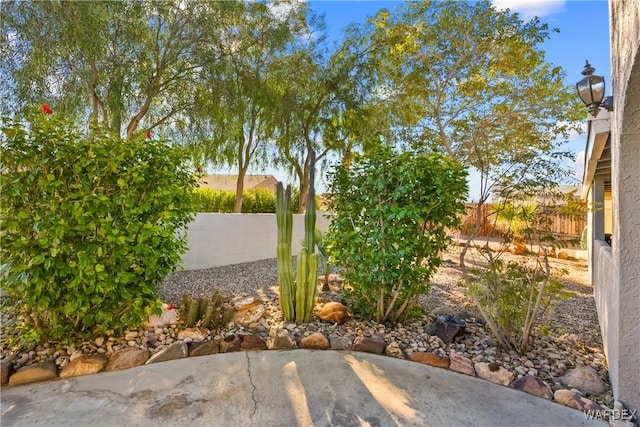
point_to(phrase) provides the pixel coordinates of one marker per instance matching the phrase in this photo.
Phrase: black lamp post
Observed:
(591, 91)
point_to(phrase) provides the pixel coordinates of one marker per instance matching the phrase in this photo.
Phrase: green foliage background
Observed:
(255, 200)
(90, 224)
(392, 212)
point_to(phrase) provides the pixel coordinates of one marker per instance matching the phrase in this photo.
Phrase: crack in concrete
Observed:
(253, 391)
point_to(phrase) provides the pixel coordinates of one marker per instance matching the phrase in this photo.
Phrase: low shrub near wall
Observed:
(88, 224)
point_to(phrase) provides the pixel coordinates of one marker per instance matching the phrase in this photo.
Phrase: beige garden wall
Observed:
(217, 239)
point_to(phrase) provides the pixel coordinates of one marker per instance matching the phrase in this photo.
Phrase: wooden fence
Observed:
(558, 224)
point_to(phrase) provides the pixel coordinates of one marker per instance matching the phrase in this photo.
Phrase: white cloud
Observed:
(528, 9)
(575, 134)
(578, 165)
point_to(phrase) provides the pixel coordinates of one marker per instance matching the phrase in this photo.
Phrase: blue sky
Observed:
(584, 34)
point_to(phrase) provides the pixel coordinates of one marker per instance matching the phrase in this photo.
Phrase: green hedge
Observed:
(256, 200)
(89, 224)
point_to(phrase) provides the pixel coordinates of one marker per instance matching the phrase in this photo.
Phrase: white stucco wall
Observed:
(222, 239)
(616, 272)
(603, 269)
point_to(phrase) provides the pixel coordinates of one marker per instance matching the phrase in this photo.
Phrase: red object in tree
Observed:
(46, 109)
(148, 134)
(199, 169)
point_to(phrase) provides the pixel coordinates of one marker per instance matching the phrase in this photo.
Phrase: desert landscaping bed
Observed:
(567, 360)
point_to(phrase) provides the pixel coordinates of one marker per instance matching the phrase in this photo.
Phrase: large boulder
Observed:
(585, 379)
(204, 348)
(6, 369)
(285, 342)
(248, 310)
(494, 373)
(334, 312)
(229, 344)
(461, 364)
(373, 344)
(430, 359)
(127, 358)
(178, 350)
(533, 385)
(252, 342)
(341, 343)
(84, 365)
(33, 373)
(315, 340)
(574, 400)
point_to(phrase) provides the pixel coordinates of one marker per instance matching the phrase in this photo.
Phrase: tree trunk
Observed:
(135, 121)
(237, 206)
(304, 187)
(304, 192)
(348, 156)
(473, 235)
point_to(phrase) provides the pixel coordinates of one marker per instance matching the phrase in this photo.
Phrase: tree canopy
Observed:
(129, 66)
(258, 84)
(472, 82)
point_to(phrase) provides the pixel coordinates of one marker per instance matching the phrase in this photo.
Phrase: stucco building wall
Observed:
(616, 271)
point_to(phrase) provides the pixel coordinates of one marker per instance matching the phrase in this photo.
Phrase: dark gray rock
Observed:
(447, 327)
(341, 343)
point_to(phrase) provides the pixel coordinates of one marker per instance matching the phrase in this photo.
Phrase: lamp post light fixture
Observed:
(591, 91)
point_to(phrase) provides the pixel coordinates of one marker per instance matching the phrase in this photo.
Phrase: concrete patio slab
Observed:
(280, 388)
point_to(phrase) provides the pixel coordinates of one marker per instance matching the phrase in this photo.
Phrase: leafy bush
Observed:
(89, 223)
(391, 215)
(511, 295)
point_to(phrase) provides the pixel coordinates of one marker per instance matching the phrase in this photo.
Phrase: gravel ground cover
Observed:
(576, 315)
(572, 338)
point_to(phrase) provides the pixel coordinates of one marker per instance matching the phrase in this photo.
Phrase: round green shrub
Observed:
(391, 215)
(90, 224)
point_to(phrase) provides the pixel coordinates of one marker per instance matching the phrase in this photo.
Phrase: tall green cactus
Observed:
(307, 274)
(284, 218)
(297, 299)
